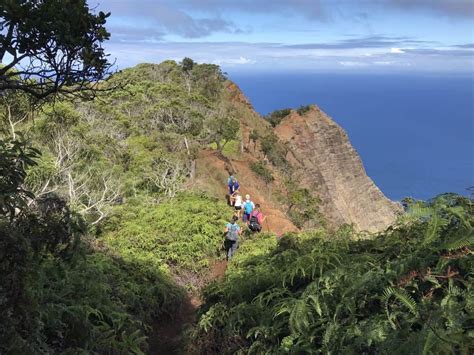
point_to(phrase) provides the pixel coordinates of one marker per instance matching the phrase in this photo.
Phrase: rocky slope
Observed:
(323, 160)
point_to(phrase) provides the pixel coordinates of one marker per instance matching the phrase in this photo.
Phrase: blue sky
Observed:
(304, 35)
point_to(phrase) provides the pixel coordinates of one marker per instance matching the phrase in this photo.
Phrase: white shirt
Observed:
(238, 201)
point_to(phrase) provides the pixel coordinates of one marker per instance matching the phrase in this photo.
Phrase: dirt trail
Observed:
(212, 175)
(168, 336)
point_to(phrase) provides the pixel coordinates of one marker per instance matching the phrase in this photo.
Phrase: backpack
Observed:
(248, 207)
(232, 233)
(254, 225)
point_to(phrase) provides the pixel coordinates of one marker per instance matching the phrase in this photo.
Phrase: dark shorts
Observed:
(238, 208)
(246, 217)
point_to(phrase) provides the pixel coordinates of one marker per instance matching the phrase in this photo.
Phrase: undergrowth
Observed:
(180, 236)
(406, 291)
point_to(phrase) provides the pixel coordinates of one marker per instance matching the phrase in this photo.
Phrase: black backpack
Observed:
(254, 225)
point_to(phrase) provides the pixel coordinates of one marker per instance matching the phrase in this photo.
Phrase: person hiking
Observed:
(232, 232)
(238, 204)
(230, 180)
(233, 190)
(248, 207)
(256, 219)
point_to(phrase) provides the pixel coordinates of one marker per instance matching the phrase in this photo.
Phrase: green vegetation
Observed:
(277, 116)
(274, 150)
(102, 239)
(262, 170)
(63, 39)
(408, 290)
(180, 236)
(303, 208)
(303, 109)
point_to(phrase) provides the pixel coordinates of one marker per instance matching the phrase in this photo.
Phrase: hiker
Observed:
(233, 190)
(232, 232)
(256, 219)
(237, 204)
(248, 208)
(230, 180)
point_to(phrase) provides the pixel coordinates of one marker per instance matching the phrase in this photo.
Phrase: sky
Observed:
(300, 35)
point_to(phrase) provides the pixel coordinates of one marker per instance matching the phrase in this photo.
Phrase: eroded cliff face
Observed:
(324, 161)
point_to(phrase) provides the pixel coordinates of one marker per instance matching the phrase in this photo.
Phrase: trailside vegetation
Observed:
(99, 242)
(408, 290)
(180, 237)
(262, 170)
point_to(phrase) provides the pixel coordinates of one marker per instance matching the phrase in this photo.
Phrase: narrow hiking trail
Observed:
(168, 338)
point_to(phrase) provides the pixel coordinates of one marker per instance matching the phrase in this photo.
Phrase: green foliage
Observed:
(303, 109)
(261, 170)
(274, 150)
(57, 44)
(303, 208)
(408, 290)
(187, 64)
(59, 295)
(15, 157)
(277, 116)
(180, 235)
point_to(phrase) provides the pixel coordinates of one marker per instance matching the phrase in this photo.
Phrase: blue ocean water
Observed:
(413, 132)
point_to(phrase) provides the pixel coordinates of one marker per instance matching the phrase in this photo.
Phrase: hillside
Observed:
(112, 217)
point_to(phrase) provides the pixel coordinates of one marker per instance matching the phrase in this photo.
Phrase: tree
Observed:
(15, 157)
(55, 47)
(223, 127)
(187, 64)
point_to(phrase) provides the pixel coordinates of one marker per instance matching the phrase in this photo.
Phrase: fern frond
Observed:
(462, 242)
(403, 297)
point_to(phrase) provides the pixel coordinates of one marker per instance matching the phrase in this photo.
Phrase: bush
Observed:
(178, 236)
(303, 207)
(261, 170)
(303, 109)
(274, 150)
(277, 116)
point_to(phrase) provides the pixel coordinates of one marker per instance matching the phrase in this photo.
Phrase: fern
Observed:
(463, 241)
(403, 297)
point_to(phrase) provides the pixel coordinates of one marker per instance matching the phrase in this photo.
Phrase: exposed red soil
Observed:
(213, 169)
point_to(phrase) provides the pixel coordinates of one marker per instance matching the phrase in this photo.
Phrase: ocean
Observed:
(413, 132)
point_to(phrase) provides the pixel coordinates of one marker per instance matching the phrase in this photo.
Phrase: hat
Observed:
(247, 197)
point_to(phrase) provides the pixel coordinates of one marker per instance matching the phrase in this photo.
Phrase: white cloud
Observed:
(234, 61)
(352, 64)
(397, 50)
(384, 62)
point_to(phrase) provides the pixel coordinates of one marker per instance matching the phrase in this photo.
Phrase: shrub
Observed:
(274, 150)
(261, 170)
(179, 235)
(303, 109)
(277, 116)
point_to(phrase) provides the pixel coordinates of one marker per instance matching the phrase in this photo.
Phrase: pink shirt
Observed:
(259, 216)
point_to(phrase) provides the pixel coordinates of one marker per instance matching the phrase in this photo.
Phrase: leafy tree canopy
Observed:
(55, 46)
